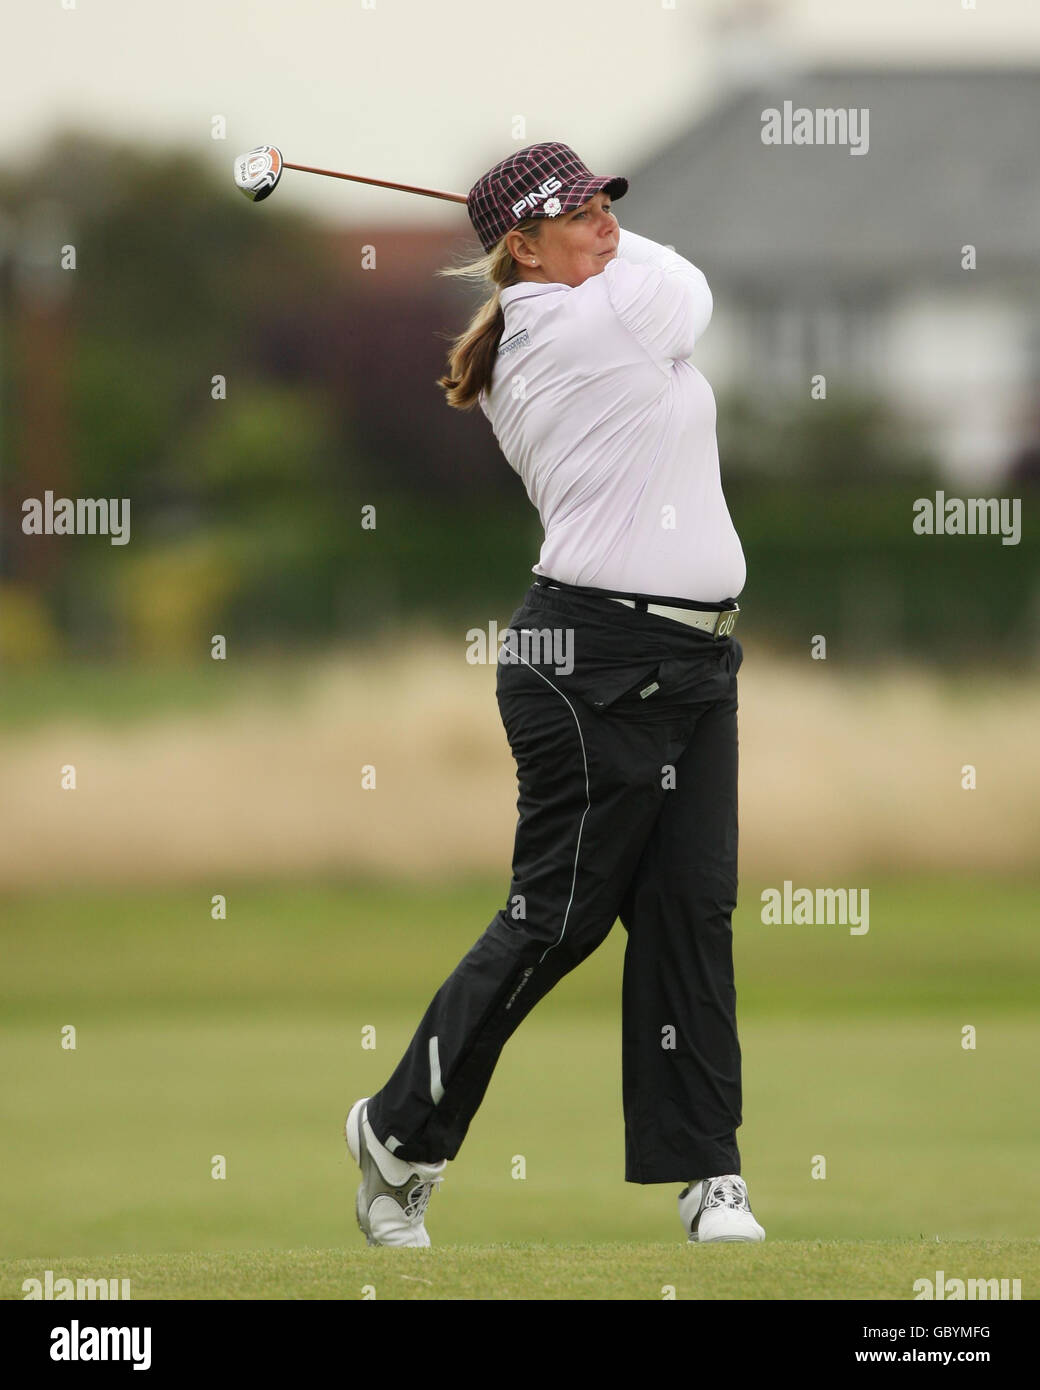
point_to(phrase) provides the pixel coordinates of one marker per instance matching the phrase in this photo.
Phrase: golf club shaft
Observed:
(380, 183)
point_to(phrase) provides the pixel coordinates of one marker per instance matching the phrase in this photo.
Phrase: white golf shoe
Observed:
(717, 1209)
(394, 1193)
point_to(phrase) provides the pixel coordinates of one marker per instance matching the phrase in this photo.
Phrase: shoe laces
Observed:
(419, 1198)
(727, 1192)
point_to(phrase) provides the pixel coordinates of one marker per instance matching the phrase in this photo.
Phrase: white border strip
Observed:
(588, 806)
(436, 1089)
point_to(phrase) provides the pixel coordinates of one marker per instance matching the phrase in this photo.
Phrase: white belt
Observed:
(718, 624)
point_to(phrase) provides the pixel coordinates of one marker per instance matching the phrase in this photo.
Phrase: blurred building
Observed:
(823, 260)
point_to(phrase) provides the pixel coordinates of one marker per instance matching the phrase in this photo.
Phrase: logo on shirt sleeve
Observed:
(515, 343)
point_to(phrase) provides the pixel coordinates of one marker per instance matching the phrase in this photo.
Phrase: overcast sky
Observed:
(427, 91)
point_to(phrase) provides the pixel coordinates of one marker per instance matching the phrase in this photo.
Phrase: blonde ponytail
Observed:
(471, 360)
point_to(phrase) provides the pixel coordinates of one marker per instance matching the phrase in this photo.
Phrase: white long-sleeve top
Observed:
(612, 430)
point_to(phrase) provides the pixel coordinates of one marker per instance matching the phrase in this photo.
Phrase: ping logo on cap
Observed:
(539, 195)
(539, 181)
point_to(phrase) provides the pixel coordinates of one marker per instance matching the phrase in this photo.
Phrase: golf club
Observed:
(257, 173)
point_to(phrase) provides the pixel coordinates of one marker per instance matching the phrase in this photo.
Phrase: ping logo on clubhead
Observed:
(258, 171)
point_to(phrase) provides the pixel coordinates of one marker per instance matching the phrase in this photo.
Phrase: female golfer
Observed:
(617, 687)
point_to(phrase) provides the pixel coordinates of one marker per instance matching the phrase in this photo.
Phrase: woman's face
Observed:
(571, 248)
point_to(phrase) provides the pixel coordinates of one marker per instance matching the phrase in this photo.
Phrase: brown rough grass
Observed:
(839, 772)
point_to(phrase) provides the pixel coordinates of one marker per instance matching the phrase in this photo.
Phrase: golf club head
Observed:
(257, 172)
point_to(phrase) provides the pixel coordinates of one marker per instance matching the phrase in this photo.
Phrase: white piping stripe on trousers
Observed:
(588, 807)
(436, 1089)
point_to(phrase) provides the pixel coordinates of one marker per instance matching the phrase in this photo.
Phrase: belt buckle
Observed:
(725, 622)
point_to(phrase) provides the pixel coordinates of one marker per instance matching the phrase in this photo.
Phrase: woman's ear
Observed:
(519, 247)
(523, 248)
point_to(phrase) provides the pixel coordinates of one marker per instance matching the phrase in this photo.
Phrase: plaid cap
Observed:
(539, 181)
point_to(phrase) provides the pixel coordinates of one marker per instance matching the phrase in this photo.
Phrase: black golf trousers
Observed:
(627, 777)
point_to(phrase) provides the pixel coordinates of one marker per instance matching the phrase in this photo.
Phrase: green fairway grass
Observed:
(933, 944)
(243, 1039)
(784, 1270)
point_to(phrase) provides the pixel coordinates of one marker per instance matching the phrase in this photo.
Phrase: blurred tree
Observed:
(246, 511)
